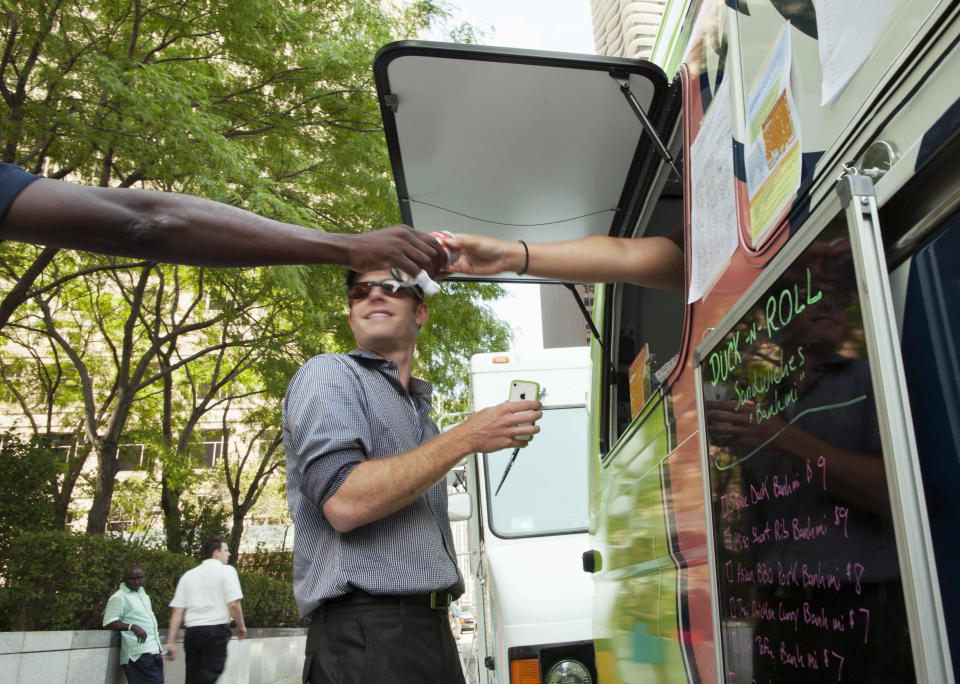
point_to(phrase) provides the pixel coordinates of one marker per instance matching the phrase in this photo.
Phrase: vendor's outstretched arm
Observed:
(170, 227)
(647, 261)
(379, 487)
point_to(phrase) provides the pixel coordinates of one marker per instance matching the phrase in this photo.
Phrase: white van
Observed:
(533, 600)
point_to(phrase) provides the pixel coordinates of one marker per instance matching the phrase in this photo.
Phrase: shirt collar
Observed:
(124, 587)
(417, 386)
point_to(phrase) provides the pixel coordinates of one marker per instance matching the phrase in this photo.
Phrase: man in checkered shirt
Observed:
(374, 563)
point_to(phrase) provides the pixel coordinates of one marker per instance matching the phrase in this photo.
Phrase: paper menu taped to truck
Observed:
(773, 159)
(713, 221)
(846, 31)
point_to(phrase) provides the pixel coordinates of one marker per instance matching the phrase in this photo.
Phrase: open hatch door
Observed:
(520, 144)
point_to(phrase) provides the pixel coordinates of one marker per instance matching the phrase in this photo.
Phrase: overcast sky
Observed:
(559, 25)
(562, 25)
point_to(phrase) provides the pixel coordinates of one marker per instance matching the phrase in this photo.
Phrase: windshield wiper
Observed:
(507, 471)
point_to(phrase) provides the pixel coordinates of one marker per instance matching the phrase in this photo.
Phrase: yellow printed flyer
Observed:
(773, 161)
(639, 376)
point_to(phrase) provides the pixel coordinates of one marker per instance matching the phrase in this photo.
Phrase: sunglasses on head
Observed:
(391, 288)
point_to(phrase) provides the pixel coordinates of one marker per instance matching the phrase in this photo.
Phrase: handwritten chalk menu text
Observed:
(808, 575)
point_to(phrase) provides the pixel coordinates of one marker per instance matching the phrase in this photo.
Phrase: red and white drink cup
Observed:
(443, 237)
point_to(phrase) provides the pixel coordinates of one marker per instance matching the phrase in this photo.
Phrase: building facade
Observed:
(562, 322)
(626, 28)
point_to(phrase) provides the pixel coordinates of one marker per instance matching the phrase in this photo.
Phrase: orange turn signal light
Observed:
(525, 671)
(501, 359)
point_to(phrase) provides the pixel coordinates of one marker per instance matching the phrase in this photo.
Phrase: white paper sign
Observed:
(713, 220)
(846, 31)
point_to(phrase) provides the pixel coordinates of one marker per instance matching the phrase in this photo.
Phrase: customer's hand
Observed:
(400, 246)
(498, 427)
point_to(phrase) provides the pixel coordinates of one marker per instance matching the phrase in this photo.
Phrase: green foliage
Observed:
(274, 564)
(134, 504)
(469, 34)
(246, 101)
(264, 104)
(28, 473)
(443, 17)
(201, 520)
(459, 326)
(89, 569)
(268, 602)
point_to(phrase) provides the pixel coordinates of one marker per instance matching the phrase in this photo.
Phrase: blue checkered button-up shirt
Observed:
(340, 410)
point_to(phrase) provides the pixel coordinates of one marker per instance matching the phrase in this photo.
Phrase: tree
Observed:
(120, 314)
(27, 488)
(37, 379)
(266, 104)
(261, 103)
(248, 358)
(248, 471)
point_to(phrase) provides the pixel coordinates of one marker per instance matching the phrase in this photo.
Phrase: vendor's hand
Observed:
(398, 246)
(739, 424)
(171, 650)
(139, 632)
(480, 255)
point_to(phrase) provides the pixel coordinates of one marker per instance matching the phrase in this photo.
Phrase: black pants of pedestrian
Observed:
(147, 669)
(206, 652)
(381, 644)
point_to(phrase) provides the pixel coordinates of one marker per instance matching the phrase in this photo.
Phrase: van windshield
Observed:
(546, 489)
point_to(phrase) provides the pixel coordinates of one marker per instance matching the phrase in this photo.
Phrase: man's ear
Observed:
(421, 314)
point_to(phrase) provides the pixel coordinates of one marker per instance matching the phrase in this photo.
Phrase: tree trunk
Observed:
(236, 534)
(107, 467)
(172, 520)
(65, 491)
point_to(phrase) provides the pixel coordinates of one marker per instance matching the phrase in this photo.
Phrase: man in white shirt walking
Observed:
(204, 601)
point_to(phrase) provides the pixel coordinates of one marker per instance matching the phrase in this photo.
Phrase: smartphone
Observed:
(524, 390)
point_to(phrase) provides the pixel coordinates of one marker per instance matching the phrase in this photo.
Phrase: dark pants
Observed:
(147, 669)
(381, 644)
(206, 652)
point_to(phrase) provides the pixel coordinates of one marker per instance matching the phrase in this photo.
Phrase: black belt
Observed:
(436, 600)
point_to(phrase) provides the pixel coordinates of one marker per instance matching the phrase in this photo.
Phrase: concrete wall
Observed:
(267, 656)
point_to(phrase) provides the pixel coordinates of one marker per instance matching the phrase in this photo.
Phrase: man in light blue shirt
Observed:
(129, 611)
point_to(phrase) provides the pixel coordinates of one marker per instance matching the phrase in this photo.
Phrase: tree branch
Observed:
(85, 272)
(21, 290)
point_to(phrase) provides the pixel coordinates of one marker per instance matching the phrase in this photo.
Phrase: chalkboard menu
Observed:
(807, 571)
